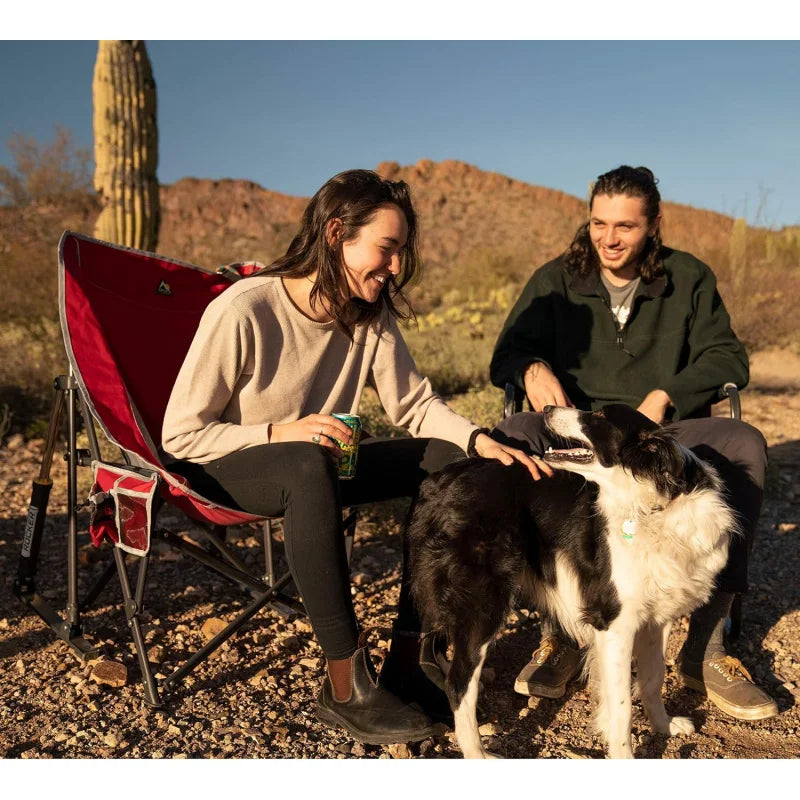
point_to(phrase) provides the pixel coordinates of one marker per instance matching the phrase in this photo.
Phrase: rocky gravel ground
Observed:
(255, 697)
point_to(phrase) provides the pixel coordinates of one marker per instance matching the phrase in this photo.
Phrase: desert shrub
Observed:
(44, 171)
(453, 344)
(470, 280)
(483, 405)
(760, 284)
(47, 191)
(31, 355)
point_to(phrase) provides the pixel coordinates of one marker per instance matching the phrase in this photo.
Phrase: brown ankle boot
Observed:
(371, 714)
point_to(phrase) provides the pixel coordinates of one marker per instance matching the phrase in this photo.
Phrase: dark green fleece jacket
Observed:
(678, 338)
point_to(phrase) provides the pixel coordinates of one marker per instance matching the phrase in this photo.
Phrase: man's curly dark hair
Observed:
(581, 257)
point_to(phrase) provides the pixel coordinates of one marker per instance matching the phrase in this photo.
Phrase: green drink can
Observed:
(349, 459)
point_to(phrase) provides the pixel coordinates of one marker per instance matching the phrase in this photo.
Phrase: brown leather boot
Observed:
(371, 714)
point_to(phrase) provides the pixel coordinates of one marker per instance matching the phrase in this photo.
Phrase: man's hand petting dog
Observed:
(486, 447)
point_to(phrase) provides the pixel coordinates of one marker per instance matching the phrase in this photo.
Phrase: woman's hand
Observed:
(486, 447)
(543, 388)
(321, 429)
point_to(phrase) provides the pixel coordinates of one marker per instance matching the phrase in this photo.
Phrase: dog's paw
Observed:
(680, 726)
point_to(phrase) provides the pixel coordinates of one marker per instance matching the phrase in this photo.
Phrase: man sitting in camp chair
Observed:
(621, 318)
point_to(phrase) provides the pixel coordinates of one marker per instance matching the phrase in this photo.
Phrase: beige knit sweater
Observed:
(256, 359)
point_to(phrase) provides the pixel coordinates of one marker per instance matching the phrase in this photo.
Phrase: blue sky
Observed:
(718, 122)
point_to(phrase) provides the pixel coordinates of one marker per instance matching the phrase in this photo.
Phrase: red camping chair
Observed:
(128, 318)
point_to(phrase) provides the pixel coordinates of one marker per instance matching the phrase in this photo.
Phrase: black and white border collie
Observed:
(628, 535)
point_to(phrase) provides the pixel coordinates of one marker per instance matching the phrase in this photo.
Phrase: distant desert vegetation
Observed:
(482, 234)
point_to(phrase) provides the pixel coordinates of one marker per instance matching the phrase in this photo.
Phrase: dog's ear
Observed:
(657, 457)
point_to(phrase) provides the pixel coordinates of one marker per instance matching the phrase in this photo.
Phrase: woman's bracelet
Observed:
(471, 451)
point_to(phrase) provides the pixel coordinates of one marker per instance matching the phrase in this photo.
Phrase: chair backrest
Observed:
(128, 318)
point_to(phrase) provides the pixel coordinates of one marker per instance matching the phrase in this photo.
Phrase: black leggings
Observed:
(298, 481)
(736, 449)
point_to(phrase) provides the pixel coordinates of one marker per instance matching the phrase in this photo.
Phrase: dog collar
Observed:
(628, 529)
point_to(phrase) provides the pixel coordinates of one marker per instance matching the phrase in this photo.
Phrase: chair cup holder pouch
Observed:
(122, 507)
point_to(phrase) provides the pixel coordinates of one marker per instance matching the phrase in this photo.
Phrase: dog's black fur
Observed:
(483, 532)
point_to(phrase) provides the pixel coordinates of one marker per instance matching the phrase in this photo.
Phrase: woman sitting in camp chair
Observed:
(250, 421)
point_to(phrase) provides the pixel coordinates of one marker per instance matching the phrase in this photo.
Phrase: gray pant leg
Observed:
(739, 453)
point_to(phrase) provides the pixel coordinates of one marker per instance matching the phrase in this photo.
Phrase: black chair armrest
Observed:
(512, 400)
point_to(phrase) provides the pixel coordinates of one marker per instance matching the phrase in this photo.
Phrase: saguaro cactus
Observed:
(125, 145)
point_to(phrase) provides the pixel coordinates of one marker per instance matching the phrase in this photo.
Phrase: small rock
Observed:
(211, 627)
(174, 730)
(60, 737)
(20, 667)
(358, 750)
(399, 751)
(89, 555)
(291, 643)
(4, 626)
(310, 663)
(111, 673)
(111, 739)
(489, 729)
(14, 442)
(261, 675)
(155, 655)
(787, 527)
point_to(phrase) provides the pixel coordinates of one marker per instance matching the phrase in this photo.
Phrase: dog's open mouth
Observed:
(577, 455)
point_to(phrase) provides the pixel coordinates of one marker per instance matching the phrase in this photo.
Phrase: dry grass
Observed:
(461, 305)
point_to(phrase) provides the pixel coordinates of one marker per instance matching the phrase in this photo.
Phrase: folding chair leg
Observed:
(67, 628)
(251, 610)
(132, 611)
(98, 586)
(216, 538)
(25, 582)
(289, 608)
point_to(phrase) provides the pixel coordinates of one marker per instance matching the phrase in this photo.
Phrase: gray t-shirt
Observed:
(621, 298)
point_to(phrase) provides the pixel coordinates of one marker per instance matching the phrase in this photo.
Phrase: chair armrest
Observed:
(512, 400)
(731, 391)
